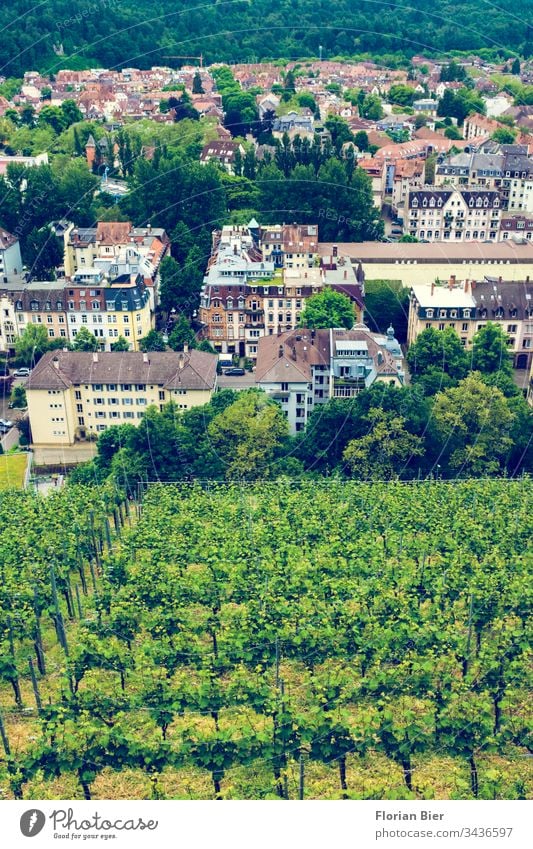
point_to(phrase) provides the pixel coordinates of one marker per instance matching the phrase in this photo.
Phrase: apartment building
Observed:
(64, 307)
(8, 323)
(10, 258)
(304, 368)
(451, 214)
(471, 169)
(516, 227)
(288, 245)
(117, 249)
(74, 396)
(467, 307)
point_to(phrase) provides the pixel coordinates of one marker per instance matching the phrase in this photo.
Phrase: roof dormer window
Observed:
(415, 202)
(34, 305)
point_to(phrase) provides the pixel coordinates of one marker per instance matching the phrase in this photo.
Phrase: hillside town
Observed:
(123, 314)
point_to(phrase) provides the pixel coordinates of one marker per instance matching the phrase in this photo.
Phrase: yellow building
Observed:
(75, 395)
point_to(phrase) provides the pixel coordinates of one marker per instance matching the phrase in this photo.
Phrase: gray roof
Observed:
(171, 370)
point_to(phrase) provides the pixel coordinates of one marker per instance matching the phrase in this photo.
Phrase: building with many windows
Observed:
(467, 307)
(73, 396)
(116, 249)
(64, 307)
(435, 214)
(305, 368)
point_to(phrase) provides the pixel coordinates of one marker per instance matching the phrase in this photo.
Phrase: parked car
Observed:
(234, 372)
(5, 425)
(22, 372)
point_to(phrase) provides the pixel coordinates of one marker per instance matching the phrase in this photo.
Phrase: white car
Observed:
(22, 372)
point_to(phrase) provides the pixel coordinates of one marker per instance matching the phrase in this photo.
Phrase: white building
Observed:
(304, 368)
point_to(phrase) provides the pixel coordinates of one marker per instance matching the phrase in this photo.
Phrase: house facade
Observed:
(467, 307)
(451, 214)
(74, 396)
(304, 368)
(10, 258)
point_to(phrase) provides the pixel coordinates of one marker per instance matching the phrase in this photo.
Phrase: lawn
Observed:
(12, 470)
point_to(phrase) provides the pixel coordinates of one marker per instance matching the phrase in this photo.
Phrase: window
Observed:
(429, 313)
(51, 332)
(511, 328)
(442, 313)
(441, 326)
(464, 326)
(128, 415)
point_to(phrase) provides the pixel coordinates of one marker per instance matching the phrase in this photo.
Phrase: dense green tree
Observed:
(490, 350)
(403, 95)
(437, 359)
(43, 253)
(121, 344)
(385, 450)
(153, 341)
(197, 87)
(387, 304)
(361, 140)
(182, 334)
(249, 436)
(504, 135)
(31, 344)
(328, 309)
(475, 422)
(85, 340)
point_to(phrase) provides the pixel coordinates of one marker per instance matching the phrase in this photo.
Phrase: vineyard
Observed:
(276, 640)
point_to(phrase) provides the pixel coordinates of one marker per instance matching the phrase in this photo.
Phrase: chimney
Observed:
(185, 348)
(181, 361)
(345, 273)
(55, 363)
(145, 358)
(451, 282)
(335, 250)
(500, 279)
(280, 351)
(95, 356)
(432, 288)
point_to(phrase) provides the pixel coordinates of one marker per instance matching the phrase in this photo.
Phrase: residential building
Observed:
(294, 123)
(288, 245)
(117, 249)
(412, 263)
(442, 306)
(452, 214)
(8, 323)
(471, 169)
(108, 311)
(74, 396)
(10, 258)
(258, 281)
(467, 307)
(376, 170)
(476, 126)
(517, 226)
(304, 368)
(26, 161)
(518, 178)
(223, 152)
(407, 175)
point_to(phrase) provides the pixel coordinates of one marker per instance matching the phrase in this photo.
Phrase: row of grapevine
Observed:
(256, 634)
